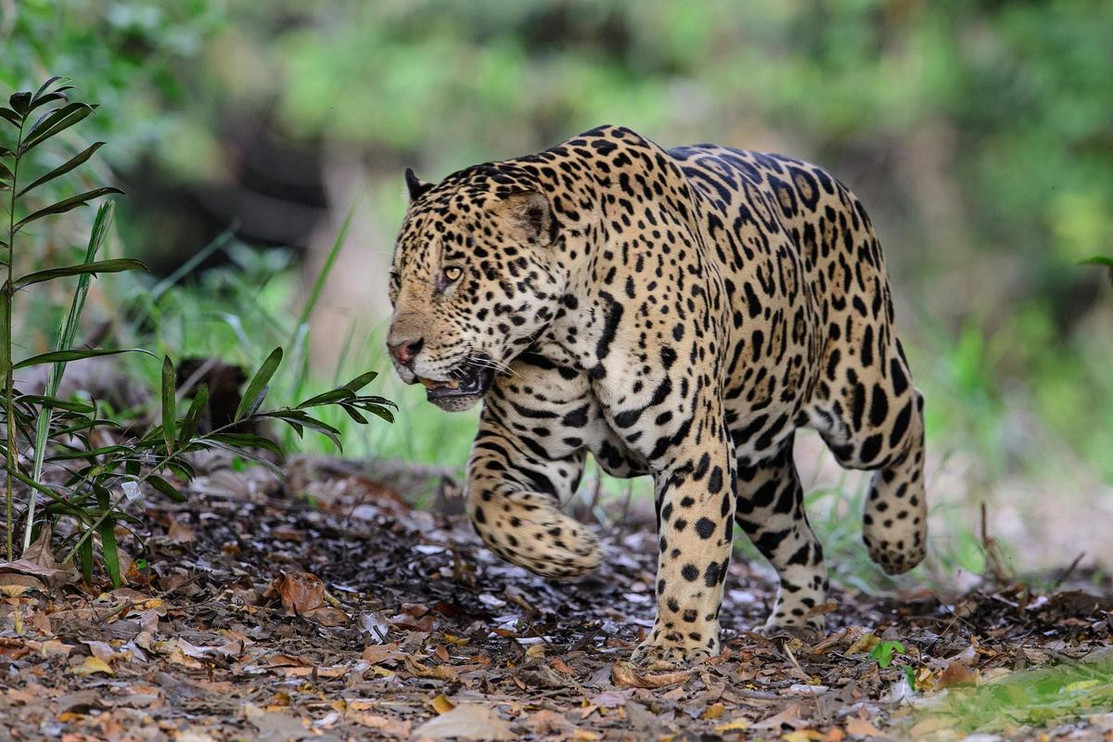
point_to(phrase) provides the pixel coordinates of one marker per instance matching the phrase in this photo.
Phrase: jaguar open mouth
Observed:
(469, 380)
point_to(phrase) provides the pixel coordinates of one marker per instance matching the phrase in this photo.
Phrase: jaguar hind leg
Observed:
(770, 509)
(894, 521)
(876, 422)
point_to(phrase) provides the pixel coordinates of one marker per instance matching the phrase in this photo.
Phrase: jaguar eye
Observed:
(452, 273)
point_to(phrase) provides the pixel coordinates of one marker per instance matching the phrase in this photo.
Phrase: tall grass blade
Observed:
(330, 261)
(165, 284)
(257, 388)
(169, 407)
(85, 560)
(102, 224)
(109, 551)
(192, 418)
(300, 350)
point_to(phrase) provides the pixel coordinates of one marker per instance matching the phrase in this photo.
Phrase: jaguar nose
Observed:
(405, 350)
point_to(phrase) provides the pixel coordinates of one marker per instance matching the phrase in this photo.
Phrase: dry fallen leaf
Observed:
(303, 594)
(101, 650)
(956, 673)
(300, 592)
(327, 616)
(735, 725)
(442, 705)
(375, 626)
(467, 721)
(386, 725)
(37, 560)
(13, 585)
(93, 665)
(547, 721)
(624, 675)
(561, 666)
(863, 644)
(788, 717)
(438, 672)
(180, 533)
(714, 711)
(862, 728)
(379, 653)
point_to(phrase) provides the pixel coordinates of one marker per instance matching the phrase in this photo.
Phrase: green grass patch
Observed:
(1029, 698)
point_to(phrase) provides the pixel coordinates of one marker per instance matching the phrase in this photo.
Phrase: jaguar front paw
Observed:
(676, 649)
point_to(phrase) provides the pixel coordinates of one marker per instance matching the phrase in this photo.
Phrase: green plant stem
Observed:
(7, 292)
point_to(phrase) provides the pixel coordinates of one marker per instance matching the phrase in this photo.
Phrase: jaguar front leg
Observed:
(518, 475)
(695, 523)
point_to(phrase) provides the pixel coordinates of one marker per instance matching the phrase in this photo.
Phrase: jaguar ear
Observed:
(415, 185)
(529, 213)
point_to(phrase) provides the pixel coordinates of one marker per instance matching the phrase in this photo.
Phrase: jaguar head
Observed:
(473, 282)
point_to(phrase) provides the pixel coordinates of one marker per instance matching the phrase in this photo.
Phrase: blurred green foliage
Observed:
(978, 132)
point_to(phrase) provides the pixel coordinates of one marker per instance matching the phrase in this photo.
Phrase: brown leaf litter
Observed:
(257, 615)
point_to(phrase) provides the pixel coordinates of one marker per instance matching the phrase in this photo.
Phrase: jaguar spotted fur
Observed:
(678, 313)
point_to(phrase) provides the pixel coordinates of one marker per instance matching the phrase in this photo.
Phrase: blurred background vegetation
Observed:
(261, 146)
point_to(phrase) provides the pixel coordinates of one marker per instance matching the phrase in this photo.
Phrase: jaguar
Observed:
(677, 313)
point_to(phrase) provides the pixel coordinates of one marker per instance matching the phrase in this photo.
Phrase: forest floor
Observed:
(343, 613)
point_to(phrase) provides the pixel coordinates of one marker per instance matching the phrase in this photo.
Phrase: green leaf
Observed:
(117, 265)
(55, 122)
(48, 98)
(247, 440)
(192, 418)
(354, 414)
(181, 469)
(75, 161)
(67, 205)
(58, 404)
(46, 84)
(298, 419)
(11, 117)
(88, 453)
(57, 356)
(1101, 260)
(330, 397)
(111, 554)
(883, 652)
(381, 412)
(85, 559)
(242, 453)
(19, 101)
(165, 488)
(5, 173)
(256, 389)
(169, 406)
(361, 381)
